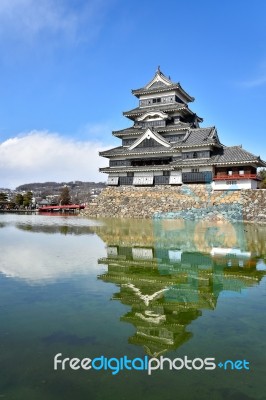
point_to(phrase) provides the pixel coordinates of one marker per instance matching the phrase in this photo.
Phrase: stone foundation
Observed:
(187, 201)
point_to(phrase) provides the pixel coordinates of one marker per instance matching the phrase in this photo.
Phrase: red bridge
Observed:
(68, 207)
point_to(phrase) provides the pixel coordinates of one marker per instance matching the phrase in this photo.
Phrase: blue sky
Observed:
(67, 68)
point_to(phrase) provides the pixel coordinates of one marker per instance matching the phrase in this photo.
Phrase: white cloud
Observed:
(40, 156)
(260, 81)
(28, 18)
(33, 16)
(260, 77)
(68, 255)
(96, 130)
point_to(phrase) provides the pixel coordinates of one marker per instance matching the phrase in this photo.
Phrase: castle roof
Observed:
(222, 156)
(200, 137)
(121, 150)
(235, 154)
(160, 83)
(162, 107)
(225, 155)
(144, 168)
(135, 130)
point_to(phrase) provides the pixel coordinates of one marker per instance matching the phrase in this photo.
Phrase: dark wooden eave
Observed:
(174, 86)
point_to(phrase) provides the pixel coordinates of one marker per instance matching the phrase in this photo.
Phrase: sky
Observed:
(67, 68)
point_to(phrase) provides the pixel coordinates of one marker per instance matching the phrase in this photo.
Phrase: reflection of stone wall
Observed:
(185, 235)
(145, 202)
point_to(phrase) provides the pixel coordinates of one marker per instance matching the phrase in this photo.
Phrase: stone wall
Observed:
(187, 201)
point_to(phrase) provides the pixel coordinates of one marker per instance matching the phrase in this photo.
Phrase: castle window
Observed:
(195, 170)
(195, 155)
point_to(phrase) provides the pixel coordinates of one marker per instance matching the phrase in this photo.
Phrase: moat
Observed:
(91, 287)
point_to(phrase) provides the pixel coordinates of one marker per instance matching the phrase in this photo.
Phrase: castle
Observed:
(166, 145)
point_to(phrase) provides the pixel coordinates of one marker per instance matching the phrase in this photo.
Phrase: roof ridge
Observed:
(244, 150)
(156, 137)
(187, 135)
(235, 145)
(157, 134)
(200, 128)
(157, 107)
(158, 71)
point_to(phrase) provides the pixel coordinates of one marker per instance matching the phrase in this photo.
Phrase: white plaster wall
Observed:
(176, 173)
(142, 180)
(112, 180)
(254, 184)
(241, 184)
(163, 94)
(175, 177)
(201, 169)
(204, 169)
(150, 173)
(142, 253)
(160, 94)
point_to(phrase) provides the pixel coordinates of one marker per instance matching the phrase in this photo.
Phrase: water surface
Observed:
(86, 288)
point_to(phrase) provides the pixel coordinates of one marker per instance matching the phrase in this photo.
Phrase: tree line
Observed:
(25, 200)
(262, 175)
(18, 201)
(37, 186)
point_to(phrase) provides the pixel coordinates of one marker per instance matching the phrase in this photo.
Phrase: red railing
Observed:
(235, 177)
(60, 208)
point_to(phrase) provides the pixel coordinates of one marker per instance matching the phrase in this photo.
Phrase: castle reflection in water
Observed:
(169, 271)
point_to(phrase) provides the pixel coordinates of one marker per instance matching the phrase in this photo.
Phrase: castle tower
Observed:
(166, 145)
